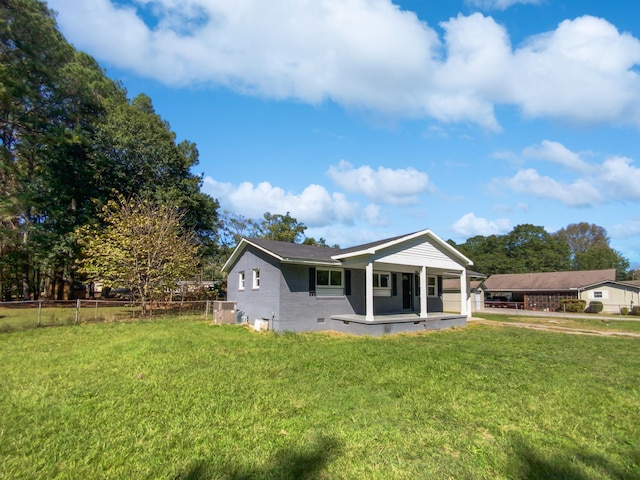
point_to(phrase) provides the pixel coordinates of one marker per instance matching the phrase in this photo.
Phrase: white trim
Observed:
(424, 309)
(369, 292)
(242, 280)
(255, 280)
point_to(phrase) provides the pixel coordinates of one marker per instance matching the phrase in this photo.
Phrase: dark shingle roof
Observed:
(296, 251)
(547, 281)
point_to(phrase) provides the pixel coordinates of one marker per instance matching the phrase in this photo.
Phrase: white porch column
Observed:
(369, 291)
(424, 293)
(465, 300)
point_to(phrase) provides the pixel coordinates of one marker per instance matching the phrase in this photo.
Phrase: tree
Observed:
(602, 257)
(283, 228)
(582, 236)
(142, 246)
(527, 248)
(532, 249)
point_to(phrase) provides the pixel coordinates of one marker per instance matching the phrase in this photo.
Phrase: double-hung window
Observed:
(241, 279)
(256, 278)
(382, 284)
(432, 286)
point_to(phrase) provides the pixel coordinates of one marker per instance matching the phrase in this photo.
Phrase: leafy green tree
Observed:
(527, 248)
(283, 228)
(602, 257)
(532, 249)
(142, 246)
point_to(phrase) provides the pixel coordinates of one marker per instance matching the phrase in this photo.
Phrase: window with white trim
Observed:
(382, 284)
(241, 278)
(329, 282)
(432, 286)
(256, 278)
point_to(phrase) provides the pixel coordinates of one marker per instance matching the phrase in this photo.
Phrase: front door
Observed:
(407, 294)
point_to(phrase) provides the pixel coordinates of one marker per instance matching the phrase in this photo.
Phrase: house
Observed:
(543, 291)
(451, 292)
(388, 286)
(613, 295)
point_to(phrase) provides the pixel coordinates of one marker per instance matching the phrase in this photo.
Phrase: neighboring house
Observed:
(543, 291)
(613, 295)
(451, 292)
(393, 285)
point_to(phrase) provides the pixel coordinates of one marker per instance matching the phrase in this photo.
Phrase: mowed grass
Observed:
(189, 400)
(601, 324)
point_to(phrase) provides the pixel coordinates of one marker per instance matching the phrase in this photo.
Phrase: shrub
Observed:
(635, 311)
(573, 305)
(624, 311)
(595, 307)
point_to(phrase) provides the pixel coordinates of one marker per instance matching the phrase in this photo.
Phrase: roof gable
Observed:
(284, 252)
(300, 253)
(547, 281)
(405, 242)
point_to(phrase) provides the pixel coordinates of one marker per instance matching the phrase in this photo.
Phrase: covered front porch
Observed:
(404, 275)
(396, 323)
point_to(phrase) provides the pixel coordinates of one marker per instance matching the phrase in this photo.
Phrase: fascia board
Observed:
(240, 248)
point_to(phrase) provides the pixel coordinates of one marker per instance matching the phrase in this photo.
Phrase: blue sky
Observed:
(367, 119)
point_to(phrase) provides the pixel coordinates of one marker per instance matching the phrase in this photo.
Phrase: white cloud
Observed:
(500, 4)
(469, 226)
(399, 187)
(529, 182)
(373, 215)
(314, 206)
(628, 229)
(368, 55)
(557, 153)
(621, 179)
(583, 71)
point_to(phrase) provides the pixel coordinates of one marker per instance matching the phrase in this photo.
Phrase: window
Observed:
(329, 282)
(329, 278)
(432, 286)
(241, 280)
(382, 284)
(597, 294)
(256, 278)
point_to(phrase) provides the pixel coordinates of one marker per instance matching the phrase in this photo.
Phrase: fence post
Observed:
(206, 310)
(77, 309)
(39, 311)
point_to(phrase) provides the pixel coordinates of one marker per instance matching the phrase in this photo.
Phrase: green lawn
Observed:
(188, 400)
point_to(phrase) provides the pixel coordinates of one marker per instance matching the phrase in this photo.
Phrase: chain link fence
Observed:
(21, 315)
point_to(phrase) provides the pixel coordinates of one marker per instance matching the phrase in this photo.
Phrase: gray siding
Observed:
(264, 301)
(300, 311)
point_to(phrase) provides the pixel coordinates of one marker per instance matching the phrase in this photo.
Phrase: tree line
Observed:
(529, 248)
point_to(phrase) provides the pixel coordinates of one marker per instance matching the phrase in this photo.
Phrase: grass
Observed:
(602, 324)
(188, 400)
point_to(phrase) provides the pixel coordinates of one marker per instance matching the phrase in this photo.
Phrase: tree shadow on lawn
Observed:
(305, 462)
(532, 464)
